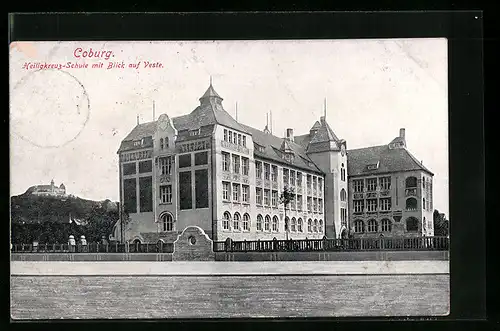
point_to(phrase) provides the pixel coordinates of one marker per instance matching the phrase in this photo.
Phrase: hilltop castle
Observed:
(48, 190)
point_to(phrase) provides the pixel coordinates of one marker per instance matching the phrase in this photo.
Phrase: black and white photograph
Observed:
(229, 179)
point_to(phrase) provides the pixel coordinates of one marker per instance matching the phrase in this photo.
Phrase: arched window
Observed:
(411, 224)
(386, 225)
(246, 222)
(320, 226)
(411, 182)
(226, 220)
(299, 225)
(294, 224)
(236, 221)
(167, 222)
(166, 142)
(343, 195)
(359, 226)
(275, 224)
(267, 223)
(372, 226)
(309, 225)
(161, 143)
(315, 226)
(342, 173)
(259, 222)
(411, 204)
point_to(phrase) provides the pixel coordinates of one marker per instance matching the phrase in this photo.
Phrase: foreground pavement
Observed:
(23, 268)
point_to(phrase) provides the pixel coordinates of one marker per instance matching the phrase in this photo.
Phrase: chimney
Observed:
(289, 134)
(402, 133)
(137, 119)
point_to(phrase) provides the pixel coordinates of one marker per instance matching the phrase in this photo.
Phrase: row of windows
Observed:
(235, 192)
(237, 223)
(235, 138)
(371, 184)
(372, 226)
(372, 205)
(228, 159)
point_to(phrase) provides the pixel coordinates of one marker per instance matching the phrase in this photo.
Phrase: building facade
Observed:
(206, 169)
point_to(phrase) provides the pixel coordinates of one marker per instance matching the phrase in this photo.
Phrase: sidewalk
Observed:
(130, 268)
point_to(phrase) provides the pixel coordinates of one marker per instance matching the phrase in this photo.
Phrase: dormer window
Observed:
(258, 148)
(373, 166)
(137, 143)
(289, 157)
(195, 132)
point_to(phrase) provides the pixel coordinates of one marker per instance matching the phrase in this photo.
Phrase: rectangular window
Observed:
(285, 177)
(266, 197)
(267, 171)
(371, 184)
(225, 160)
(239, 139)
(309, 204)
(129, 169)
(225, 191)
(258, 169)
(385, 183)
(299, 202)
(235, 138)
(244, 141)
(244, 166)
(343, 216)
(309, 181)
(274, 198)
(315, 204)
(230, 136)
(385, 204)
(130, 195)
(146, 194)
(292, 178)
(359, 205)
(166, 165)
(258, 196)
(274, 173)
(299, 179)
(201, 158)
(359, 185)
(315, 183)
(185, 190)
(371, 205)
(236, 164)
(225, 134)
(245, 193)
(236, 192)
(166, 194)
(184, 160)
(201, 188)
(320, 185)
(320, 205)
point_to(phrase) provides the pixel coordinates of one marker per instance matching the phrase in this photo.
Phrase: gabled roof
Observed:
(272, 150)
(389, 160)
(209, 112)
(324, 133)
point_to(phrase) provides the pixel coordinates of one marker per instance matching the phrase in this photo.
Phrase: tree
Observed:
(441, 224)
(287, 196)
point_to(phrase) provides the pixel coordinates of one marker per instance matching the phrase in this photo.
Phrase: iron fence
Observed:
(94, 248)
(333, 245)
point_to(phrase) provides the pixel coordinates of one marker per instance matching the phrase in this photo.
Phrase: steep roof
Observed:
(324, 132)
(209, 112)
(272, 149)
(389, 160)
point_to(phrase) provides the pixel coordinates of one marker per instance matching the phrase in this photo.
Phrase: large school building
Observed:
(207, 169)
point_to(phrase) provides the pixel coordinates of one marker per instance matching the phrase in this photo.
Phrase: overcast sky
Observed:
(373, 88)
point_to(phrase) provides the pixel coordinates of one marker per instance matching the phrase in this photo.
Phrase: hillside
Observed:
(47, 218)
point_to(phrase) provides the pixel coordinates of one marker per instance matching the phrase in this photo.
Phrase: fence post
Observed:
(361, 243)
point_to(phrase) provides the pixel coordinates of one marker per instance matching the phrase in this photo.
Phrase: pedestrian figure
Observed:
(83, 242)
(71, 243)
(104, 241)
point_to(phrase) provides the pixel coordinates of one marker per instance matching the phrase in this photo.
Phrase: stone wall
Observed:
(193, 244)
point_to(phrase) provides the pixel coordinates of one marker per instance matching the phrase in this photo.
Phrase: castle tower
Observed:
(328, 152)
